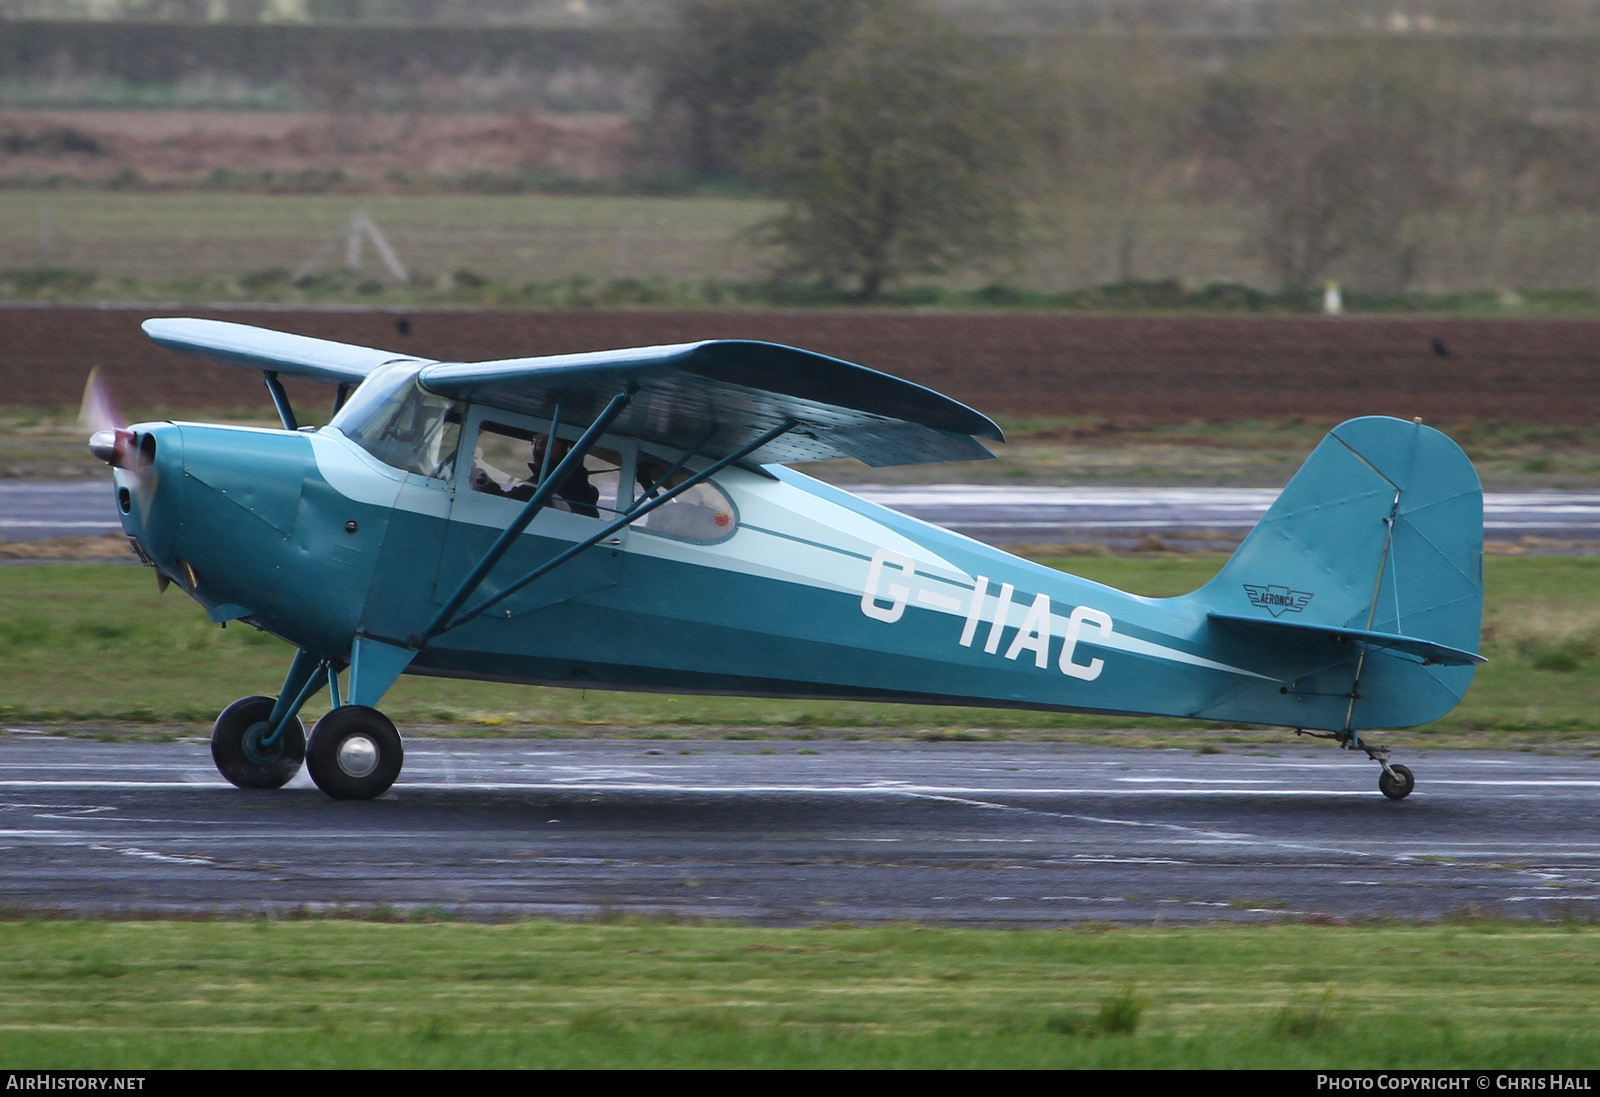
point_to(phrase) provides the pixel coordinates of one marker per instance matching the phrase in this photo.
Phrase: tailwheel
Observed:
(355, 753)
(1396, 781)
(244, 750)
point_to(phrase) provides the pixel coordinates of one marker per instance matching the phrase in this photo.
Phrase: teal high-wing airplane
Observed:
(624, 519)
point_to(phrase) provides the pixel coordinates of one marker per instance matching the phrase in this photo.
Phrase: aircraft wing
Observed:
(714, 397)
(264, 349)
(711, 397)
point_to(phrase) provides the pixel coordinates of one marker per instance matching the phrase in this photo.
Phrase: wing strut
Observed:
(547, 488)
(280, 399)
(677, 466)
(632, 516)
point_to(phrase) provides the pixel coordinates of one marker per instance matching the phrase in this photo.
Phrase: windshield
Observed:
(395, 419)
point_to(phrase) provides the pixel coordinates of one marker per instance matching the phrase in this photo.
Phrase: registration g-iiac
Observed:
(625, 520)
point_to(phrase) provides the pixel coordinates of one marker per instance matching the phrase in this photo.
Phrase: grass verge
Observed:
(48, 444)
(322, 993)
(234, 240)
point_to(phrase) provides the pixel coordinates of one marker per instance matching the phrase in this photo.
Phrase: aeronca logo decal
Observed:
(1278, 600)
(888, 592)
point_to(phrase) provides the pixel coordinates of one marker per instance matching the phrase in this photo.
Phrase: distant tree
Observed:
(715, 61)
(1122, 116)
(1505, 165)
(1339, 146)
(904, 149)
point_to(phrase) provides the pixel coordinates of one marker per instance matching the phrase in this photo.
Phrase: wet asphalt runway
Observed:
(33, 510)
(999, 515)
(1003, 515)
(809, 832)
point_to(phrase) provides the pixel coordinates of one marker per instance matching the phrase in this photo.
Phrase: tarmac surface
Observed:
(1187, 517)
(1119, 517)
(33, 510)
(812, 832)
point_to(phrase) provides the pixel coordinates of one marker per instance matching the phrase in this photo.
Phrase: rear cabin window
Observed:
(703, 513)
(506, 461)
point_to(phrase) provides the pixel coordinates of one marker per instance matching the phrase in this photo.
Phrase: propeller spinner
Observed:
(122, 448)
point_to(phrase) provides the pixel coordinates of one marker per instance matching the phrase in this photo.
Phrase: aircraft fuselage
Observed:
(807, 591)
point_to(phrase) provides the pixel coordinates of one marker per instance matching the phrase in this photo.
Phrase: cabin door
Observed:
(496, 475)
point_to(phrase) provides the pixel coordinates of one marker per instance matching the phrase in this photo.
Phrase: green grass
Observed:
(1242, 453)
(97, 645)
(141, 995)
(691, 250)
(48, 444)
(225, 245)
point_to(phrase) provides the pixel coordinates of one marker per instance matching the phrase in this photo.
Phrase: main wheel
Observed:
(355, 753)
(1400, 785)
(237, 749)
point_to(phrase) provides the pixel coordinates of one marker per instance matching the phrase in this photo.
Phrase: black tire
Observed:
(355, 753)
(236, 749)
(1396, 789)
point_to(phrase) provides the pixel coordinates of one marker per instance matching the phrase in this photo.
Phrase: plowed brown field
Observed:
(1149, 370)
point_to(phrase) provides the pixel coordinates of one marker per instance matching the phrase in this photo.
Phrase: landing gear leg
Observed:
(355, 751)
(1395, 782)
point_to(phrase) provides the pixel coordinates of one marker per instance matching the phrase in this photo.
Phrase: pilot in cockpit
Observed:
(577, 494)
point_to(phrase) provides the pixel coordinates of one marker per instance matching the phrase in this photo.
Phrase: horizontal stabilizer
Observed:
(261, 348)
(1430, 653)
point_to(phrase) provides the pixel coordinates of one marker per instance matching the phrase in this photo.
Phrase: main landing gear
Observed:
(355, 752)
(1395, 781)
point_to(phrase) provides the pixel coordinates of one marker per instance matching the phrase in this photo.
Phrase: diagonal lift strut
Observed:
(548, 484)
(550, 479)
(627, 519)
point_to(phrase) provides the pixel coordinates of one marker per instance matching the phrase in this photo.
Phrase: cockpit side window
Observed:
(506, 461)
(403, 425)
(704, 513)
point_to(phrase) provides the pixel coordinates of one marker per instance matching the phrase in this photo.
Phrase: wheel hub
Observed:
(358, 756)
(253, 747)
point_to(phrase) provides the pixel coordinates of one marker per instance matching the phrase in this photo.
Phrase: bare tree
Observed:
(1122, 113)
(715, 61)
(902, 150)
(1336, 144)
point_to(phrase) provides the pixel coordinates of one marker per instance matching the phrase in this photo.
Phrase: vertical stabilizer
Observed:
(1380, 534)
